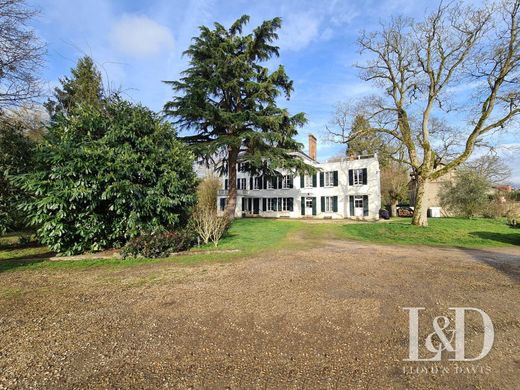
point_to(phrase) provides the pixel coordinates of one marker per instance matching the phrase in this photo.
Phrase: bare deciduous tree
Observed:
(21, 54)
(425, 70)
(491, 167)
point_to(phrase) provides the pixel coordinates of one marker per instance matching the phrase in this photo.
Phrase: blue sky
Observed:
(137, 44)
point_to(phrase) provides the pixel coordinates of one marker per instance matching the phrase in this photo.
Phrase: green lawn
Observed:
(249, 236)
(455, 232)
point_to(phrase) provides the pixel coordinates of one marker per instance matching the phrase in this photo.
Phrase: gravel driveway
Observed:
(327, 314)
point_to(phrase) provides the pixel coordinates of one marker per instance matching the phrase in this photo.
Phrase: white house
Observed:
(342, 188)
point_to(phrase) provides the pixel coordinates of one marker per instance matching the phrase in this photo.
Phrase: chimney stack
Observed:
(312, 146)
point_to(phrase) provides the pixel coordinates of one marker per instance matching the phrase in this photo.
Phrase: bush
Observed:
(467, 196)
(205, 219)
(159, 244)
(513, 218)
(107, 174)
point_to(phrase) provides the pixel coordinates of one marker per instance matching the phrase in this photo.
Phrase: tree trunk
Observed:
(232, 183)
(420, 215)
(393, 208)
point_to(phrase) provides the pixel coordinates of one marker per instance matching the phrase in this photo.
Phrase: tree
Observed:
(229, 99)
(394, 185)
(83, 87)
(424, 70)
(21, 55)
(491, 167)
(359, 136)
(16, 155)
(108, 174)
(468, 195)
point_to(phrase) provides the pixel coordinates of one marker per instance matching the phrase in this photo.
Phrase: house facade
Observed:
(341, 188)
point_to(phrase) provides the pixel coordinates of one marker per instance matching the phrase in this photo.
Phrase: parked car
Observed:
(405, 211)
(384, 214)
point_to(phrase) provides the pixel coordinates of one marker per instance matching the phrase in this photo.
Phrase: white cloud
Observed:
(298, 30)
(139, 36)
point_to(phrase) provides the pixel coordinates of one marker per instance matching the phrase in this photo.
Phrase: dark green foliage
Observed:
(468, 195)
(230, 100)
(108, 174)
(159, 244)
(83, 87)
(16, 157)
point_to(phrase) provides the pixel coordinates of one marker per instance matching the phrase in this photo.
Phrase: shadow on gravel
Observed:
(512, 238)
(508, 264)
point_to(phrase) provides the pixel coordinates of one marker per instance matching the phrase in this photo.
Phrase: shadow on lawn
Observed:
(512, 238)
(16, 257)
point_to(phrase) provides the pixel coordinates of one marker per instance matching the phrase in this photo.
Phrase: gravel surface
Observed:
(326, 315)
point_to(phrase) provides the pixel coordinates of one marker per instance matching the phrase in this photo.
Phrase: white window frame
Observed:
(269, 184)
(308, 203)
(256, 183)
(356, 204)
(307, 181)
(328, 204)
(357, 177)
(328, 179)
(285, 181)
(242, 183)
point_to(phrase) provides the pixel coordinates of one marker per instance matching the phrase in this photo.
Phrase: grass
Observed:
(250, 236)
(454, 232)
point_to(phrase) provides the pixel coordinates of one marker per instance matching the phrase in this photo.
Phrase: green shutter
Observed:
(335, 174)
(314, 180)
(302, 181)
(365, 205)
(351, 206)
(314, 206)
(322, 179)
(302, 205)
(264, 204)
(322, 204)
(335, 204)
(365, 176)
(350, 177)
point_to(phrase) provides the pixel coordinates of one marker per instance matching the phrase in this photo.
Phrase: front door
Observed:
(358, 206)
(308, 206)
(256, 205)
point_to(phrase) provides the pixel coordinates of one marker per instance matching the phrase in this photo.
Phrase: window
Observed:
(257, 183)
(242, 167)
(287, 182)
(279, 204)
(223, 202)
(269, 184)
(328, 204)
(329, 179)
(358, 202)
(242, 184)
(358, 177)
(308, 181)
(308, 203)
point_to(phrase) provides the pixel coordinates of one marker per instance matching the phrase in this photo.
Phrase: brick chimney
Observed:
(312, 146)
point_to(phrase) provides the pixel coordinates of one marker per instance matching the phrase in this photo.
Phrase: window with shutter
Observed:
(314, 180)
(335, 204)
(322, 179)
(302, 205)
(313, 206)
(350, 177)
(365, 176)
(335, 178)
